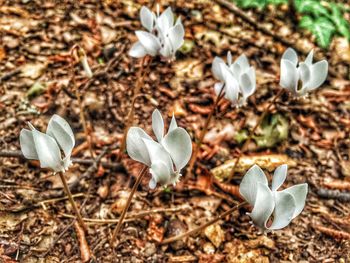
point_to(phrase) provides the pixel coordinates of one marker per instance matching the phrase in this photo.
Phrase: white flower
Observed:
(311, 75)
(166, 157)
(47, 147)
(237, 79)
(164, 37)
(285, 205)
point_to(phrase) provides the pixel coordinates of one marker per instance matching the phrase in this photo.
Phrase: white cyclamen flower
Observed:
(163, 37)
(237, 79)
(285, 205)
(47, 147)
(166, 157)
(310, 75)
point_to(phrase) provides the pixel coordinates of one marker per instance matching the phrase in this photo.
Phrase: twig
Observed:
(250, 137)
(337, 234)
(114, 166)
(213, 221)
(122, 216)
(204, 131)
(85, 252)
(259, 26)
(334, 194)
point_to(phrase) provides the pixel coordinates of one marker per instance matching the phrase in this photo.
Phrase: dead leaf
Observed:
(215, 234)
(33, 71)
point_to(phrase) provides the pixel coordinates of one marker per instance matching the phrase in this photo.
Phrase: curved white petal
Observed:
(158, 153)
(308, 60)
(229, 58)
(217, 88)
(27, 144)
(158, 125)
(231, 85)
(147, 18)
(319, 72)
(137, 50)
(176, 36)
(136, 147)
(167, 49)
(279, 177)
(173, 124)
(291, 56)
(284, 210)
(248, 186)
(216, 69)
(289, 75)
(240, 65)
(60, 130)
(248, 82)
(299, 193)
(48, 151)
(165, 20)
(152, 183)
(160, 173)
(178, 144)
(149, 41)
(305, 74)
(263, 206)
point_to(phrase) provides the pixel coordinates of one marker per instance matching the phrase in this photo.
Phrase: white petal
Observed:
(299, 193)
(152, 183)
(48, 151)
(59, 129)
(166, 20)
(240, 65)
(149, 41)
(248, 186)
(147, 18)
(86, 67)
(279, 177)
(229, 58)
(158, 125)
(263, 206)
(308, 60)
(284, 210)
(173, 124)
(167, 49)
(136, 147)
(178, 144)
(319, 72)
(291, 56)
(231, 84)
(216, 69)
(27, 144)
(160, 173)
(158, 153)
(137, 50)
(305, 74)
(289, 75)
(248, 82)
(217, 88)
(176, 36)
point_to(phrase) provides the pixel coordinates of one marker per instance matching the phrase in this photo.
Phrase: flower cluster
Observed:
(166, 156)
(285, 205)
(163, 37)
(303, 77)
(47, 147)
(237, 79)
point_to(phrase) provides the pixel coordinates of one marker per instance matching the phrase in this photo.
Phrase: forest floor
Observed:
(310, 134)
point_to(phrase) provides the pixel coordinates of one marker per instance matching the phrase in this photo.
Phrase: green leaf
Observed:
(342, 25)
(313, 7)
(321, 27)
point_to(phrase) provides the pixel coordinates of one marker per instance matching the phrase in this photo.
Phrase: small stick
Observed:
(77, 94)
(127, 205)
(70, 197)
(18, 154)
(204, 131)
(213, 221)
(130, 116)
(250, 137)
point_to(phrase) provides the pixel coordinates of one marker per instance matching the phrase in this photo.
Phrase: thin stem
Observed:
(71, 200)
(130, 116)
(81, 108)
(213, 221)
(127, 205)
(204, 130)
(251, 134)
